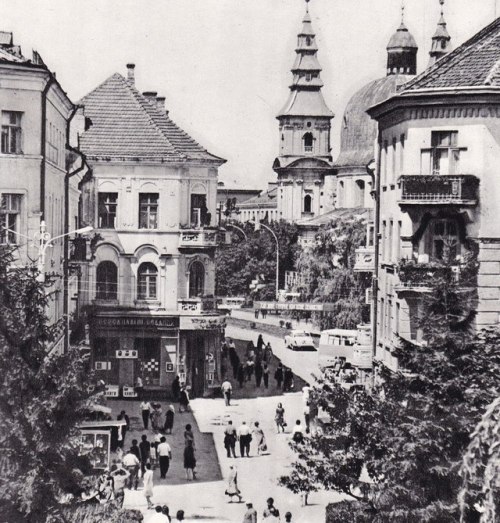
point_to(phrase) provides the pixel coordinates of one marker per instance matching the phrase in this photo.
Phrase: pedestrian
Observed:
(158, 516)
(230, 439)
(147, 479)
(249, 368)
(169, 420)
(250, 515)
(307, 417)
(189, 436)
(166, 513)
(131, 463)
(297, 433)
(157, 417)
(124, 428)
(180, 515)
(235, 363)
(271, 513)
(258, 372)
(145, 449)
(145, 408)
(139, 387)
(176, 388)
(135, 449)
(265, 375)
(232, 485)
(227, 388)
(224, 350)
(256, 314)
(244, 437)
(288, 380)
(288, 517)
(189, 461)
(279, 418)
(120, 477)
(260, 439)
(183, 400)
(164, 456)
(278, 375)
(268, 353)
(241, 375)
(260, 343)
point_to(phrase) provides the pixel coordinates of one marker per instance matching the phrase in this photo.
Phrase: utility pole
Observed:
(258, 225)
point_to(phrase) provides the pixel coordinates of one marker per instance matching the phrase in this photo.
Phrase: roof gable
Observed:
(126, 125)
(473, 64)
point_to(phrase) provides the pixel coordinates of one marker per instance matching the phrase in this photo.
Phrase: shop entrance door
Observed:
(196, 353)
(126, 372)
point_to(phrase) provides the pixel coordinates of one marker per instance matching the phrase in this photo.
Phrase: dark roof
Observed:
(474, 63)
(266, 198)
(359, 131)
(402, 38)
(126, 125)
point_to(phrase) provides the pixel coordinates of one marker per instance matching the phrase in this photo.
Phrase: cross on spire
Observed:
(402, 12)
(307, 6)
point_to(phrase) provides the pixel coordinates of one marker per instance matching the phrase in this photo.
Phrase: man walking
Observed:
(244, 437)
(250, 515)
(230, 439)
(145, 409)
(278, 376)
(271, 513)
(132, 464)
(164, 456)
(227, 389)
(145, 450)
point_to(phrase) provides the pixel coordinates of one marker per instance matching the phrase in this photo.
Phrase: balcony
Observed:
(198, 239)
(196, 305)
(365, 259)
(439, 189)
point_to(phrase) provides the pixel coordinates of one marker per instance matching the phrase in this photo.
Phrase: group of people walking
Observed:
(244, 435)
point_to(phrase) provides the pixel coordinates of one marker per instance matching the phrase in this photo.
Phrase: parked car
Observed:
(299, 340)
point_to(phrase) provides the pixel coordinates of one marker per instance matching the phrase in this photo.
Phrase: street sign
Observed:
(294, 306)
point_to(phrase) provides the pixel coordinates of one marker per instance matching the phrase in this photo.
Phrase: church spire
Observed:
(402, 50)
(441, 41)
(305, 96)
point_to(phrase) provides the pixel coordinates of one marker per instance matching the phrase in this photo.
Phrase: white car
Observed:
(299, 340)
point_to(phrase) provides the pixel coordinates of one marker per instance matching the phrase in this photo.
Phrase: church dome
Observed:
(359, 131)
(402, 38)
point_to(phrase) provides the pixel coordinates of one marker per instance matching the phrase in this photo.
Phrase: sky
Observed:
(224, 65)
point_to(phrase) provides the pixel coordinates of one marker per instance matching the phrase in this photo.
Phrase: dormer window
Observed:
(308, 142)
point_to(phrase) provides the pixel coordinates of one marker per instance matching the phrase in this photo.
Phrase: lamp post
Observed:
(258, 225)
(237, 228)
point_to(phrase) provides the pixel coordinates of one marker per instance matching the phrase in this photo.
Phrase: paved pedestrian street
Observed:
(257, 475)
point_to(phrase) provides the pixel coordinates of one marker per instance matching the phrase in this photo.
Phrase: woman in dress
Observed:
(189, 436)
(189, 460)
(156, 417)
(279, 418)
(260, 439)
(169, 419)
(232, 485)
(184, 400)
(148, 485)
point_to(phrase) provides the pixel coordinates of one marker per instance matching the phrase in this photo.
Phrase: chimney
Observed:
(150, 96)
(160, 103)
(130, 73)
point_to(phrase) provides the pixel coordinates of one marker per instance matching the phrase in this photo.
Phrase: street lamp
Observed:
(45, 240)
(237, 228)
(258, 225)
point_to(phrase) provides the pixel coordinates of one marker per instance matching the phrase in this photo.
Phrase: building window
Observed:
(393, 161)
(196, 280)
(384, 162)
(199, 212)
(147, 277)
(442, 242)
(359, 199)
(307, 203)
(11, 132)
(401, 153)
(107, 281)
(148, 211)
(107, 210)
(390, 241)
(10, 212)
(340, 196)
(444, 155)
(308, 142)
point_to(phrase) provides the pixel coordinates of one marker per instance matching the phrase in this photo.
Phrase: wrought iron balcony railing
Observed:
(457, 189)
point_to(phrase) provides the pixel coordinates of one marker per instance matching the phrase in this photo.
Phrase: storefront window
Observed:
(149, 357)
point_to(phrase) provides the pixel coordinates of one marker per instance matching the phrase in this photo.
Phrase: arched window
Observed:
(360, 193)
(307, 203)
(106, 281)
(196, 279)
(308, 142)
(147, 277)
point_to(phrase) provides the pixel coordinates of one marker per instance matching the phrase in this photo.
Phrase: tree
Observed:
(43, 399)
(396, 450)
(240, 262)
(327, 273)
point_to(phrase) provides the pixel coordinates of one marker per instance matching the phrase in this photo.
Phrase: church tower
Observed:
(441, 41)
(304, 136)
(402, 51)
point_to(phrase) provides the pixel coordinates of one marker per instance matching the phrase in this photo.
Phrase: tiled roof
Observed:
(475, 63)
(126, 125)
(265, 198)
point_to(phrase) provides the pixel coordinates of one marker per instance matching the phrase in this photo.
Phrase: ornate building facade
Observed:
(151, 279)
